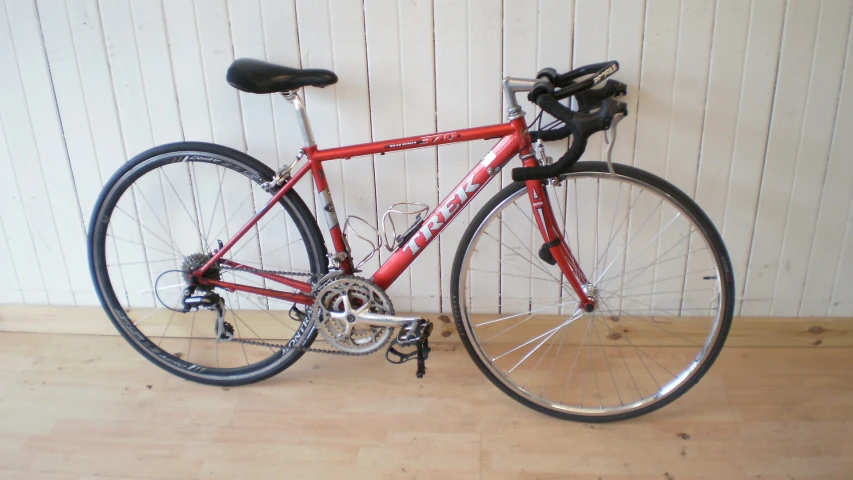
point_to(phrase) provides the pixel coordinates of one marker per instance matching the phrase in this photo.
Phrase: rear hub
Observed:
(195, 261)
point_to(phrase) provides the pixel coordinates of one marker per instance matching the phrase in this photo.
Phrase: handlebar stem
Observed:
(511, 87)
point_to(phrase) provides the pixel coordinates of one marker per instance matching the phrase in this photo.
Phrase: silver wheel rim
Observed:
(569, 339)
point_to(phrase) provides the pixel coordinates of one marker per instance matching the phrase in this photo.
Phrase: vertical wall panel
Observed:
(786, 130)
(812, 157)
(829, 270)
(742, 105)
(17, 62)
(50, 144)
(758, 85)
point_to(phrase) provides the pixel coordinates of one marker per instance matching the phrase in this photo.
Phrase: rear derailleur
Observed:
(417, 336)
(210, 301)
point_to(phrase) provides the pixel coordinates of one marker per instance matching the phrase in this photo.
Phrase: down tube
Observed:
(447, 210)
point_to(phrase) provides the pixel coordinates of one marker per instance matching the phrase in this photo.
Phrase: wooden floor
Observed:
(86, 407)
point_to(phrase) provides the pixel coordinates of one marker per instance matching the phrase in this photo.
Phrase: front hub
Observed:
(592, 294)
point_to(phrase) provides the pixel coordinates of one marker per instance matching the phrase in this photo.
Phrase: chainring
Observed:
(362, 339)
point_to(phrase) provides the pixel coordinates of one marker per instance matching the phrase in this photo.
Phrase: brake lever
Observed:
(612, 141)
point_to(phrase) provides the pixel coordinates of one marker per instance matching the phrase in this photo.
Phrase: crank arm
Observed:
(382, 320)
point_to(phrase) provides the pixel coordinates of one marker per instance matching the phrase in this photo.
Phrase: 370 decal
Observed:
(428, 140)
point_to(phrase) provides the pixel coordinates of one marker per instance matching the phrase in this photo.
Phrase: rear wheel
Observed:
(159, 217)
(657, 268)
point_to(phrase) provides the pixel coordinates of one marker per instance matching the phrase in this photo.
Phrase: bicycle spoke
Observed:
(610, 279)
(520, 314)
(623, 313)
(109, 235)
(554, 362)
(236, 210)
(213, 213)
(530, 353)
(574, 317)
(144, 262)
(606, 360)
(619, 350)
(515, 276)
(153, 211)
(547, 351)
(625, 247)
(610, 236)
(167, 327)
(191, 217)
(260, 307)
(168, 244)
(237, 321)
(257, 233)
(190, 343)
(521, 256)
(636, 350)
(646, 246)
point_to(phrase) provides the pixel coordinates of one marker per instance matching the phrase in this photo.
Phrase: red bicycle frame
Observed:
(514, 139)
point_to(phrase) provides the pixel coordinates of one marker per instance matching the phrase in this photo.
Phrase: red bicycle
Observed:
(586, 290)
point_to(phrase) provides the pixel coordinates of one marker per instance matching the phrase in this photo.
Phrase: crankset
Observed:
(419, 337)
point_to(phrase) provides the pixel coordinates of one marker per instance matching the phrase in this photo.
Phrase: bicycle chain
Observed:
(313, 276)
(301, 349)
(278, 345)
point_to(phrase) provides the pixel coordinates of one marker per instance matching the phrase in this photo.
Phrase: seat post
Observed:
(301, 117)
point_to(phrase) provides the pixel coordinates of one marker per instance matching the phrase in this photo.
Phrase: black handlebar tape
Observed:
(555, 169)
(582, 126)
(587, 100)
(551, 135)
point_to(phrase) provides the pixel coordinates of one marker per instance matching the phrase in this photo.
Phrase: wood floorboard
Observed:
(85, 407)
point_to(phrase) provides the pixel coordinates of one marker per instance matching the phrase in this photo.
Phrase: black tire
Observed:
(710, 233)
(257, 173)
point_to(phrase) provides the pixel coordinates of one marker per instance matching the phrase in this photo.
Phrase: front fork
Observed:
(554, 239)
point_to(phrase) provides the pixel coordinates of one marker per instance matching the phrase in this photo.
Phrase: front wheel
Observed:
(659, 272)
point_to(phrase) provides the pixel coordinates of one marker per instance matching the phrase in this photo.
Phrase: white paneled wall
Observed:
(747, 106)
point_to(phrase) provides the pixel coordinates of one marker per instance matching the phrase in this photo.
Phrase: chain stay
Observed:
(313, 276)
(278, 345)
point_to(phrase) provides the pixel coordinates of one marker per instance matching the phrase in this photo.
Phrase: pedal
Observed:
(421, 343)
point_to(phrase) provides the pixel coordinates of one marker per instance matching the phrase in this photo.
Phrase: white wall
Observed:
(746, 106)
